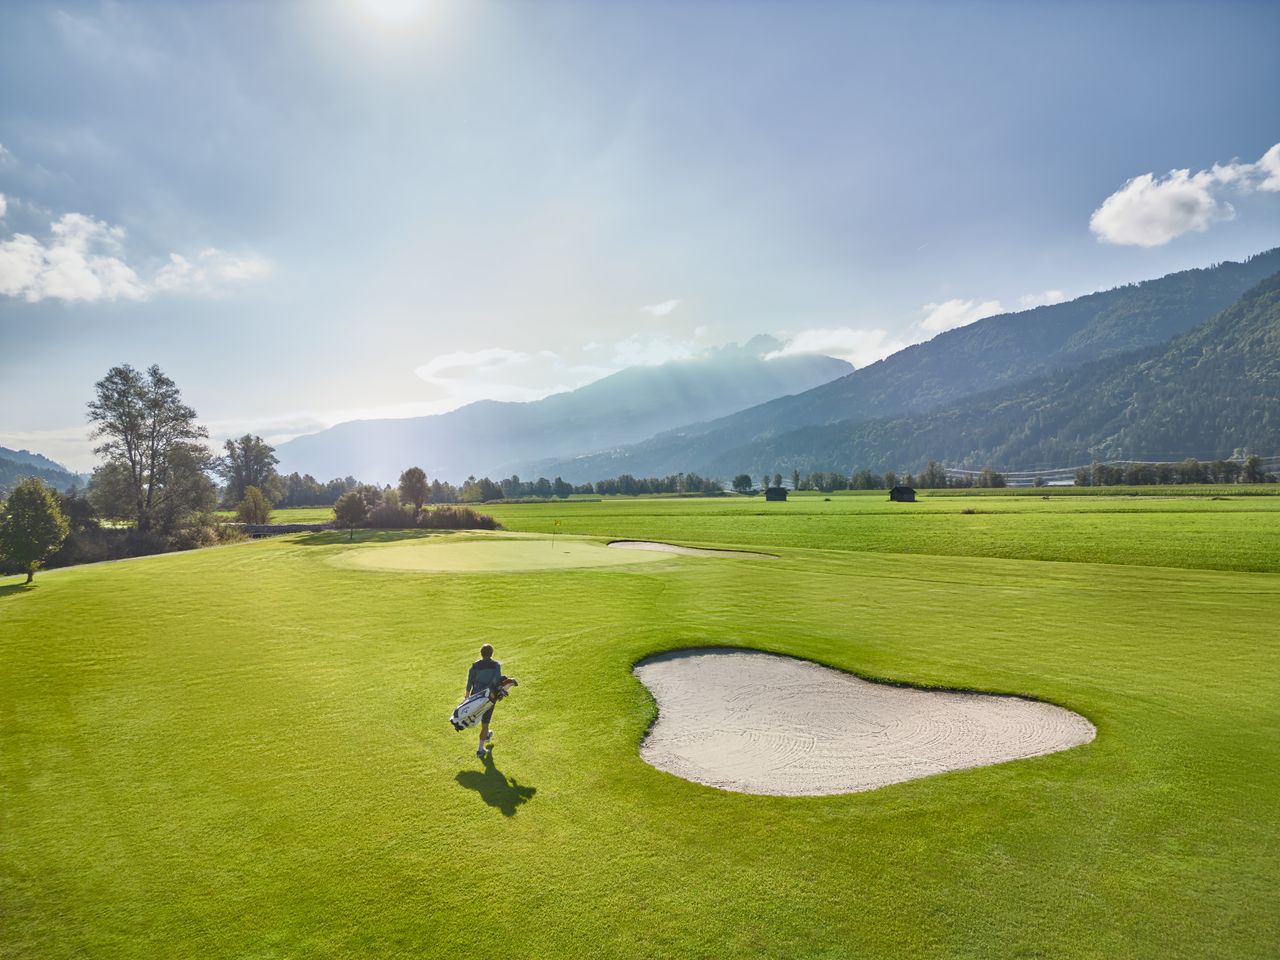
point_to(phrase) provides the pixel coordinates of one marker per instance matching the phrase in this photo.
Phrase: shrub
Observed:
(254, 507)
(457, 518)
(389, 516)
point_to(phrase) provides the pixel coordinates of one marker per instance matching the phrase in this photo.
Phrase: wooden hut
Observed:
(903, 494)
(775, 493)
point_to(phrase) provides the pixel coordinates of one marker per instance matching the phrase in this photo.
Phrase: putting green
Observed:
(497, 555)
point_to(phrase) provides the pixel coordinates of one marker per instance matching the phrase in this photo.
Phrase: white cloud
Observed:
(82, 260)
(1029, 300)
(4, 205)
(496, 373)
(209, 272)
(7, 159)
(957, 313)
(639, 351)
(859, 346)
(661, 309)
(1149, 211)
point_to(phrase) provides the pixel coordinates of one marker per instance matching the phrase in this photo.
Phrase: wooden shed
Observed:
(903, 495)
(775, 493)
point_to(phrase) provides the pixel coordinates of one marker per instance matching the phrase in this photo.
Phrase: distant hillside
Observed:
(16, 464)
(1207, 393)
(990, 353)
(497, 438)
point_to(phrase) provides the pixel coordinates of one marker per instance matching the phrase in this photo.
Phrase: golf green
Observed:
(471, 553)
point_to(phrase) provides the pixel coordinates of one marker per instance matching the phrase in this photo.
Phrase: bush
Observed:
(456, 518)
(254, 507)
(389, 516)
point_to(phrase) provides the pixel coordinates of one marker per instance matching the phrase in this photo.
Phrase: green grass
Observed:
(243, 751)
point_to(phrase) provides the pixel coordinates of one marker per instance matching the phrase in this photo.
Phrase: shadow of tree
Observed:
(15, 588)
(496, 788)
(340, 537)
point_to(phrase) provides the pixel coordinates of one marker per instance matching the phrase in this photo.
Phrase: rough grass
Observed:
(243, 751)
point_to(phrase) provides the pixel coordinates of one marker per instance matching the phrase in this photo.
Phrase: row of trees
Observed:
(933, 476)
(1250, 469)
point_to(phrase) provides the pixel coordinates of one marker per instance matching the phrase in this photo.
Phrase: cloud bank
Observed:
(957, 313)
(82, 259)
(859, 347)
(1149, 211)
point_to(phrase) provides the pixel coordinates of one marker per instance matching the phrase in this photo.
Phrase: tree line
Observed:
(1248, 469)
(933, 476)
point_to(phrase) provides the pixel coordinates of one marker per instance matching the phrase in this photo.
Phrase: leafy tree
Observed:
(990, 478)
(253, 508)
(1253, 471)
(890, 479)
(742, 483)
(933, 476)
(561, 489)
(795, 479)
(142, 421)
(250, 462)
(777, 479)
(349, 512)
(414, 488)
(31, 526)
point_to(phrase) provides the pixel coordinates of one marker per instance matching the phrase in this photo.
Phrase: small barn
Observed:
(775, 493)
(903, 495)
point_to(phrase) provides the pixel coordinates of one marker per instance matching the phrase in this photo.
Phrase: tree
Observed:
(250, 462)
(253, 508)
(777, 479)
(349, 512)
(31, 526)
(890, 479)
(1253, 471)
(795, 479)
(933, 476)
(142, 420)
(742, 483)
(414, 488)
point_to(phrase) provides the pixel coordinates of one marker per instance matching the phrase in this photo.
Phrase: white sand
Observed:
(688, 551)
(758, 723)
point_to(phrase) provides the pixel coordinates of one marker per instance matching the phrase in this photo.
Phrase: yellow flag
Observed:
(557, 523)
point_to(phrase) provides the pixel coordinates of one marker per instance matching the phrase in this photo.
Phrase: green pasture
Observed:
(243, 751)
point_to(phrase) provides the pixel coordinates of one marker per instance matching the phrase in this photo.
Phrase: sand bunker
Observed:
(656, 547)
(448, 555)
(758, 723)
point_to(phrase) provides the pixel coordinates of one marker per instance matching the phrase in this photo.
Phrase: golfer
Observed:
(485, 672)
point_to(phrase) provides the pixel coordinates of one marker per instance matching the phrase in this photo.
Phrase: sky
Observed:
(319, 211)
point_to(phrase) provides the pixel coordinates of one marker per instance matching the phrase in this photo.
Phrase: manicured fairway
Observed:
(244, 751)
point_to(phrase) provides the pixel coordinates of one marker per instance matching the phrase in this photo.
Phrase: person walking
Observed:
(484, 673)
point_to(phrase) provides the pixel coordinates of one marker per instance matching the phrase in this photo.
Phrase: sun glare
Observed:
(392, 11)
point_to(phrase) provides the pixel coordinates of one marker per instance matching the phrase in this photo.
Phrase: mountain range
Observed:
(16, 464)
(1024, 354)
(498, 438)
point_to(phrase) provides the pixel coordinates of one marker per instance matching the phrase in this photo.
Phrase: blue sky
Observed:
(314, 211)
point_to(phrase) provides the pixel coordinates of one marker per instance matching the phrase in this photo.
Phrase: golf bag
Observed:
(470, 710)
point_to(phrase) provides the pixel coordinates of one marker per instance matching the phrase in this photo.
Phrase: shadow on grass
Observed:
(330, 538)
(496, 788)
(15, 588)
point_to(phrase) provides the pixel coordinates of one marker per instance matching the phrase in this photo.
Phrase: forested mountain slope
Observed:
(16, 464)
(1000, 350)
(1207, 393)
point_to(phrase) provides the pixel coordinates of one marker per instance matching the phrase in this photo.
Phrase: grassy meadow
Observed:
(244, 751)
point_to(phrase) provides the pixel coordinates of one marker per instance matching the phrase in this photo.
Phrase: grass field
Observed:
(243, 751)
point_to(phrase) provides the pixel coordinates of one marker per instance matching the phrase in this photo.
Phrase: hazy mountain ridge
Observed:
(1000, 350)
(16, 464)
(498, 438)
(1206, 393)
